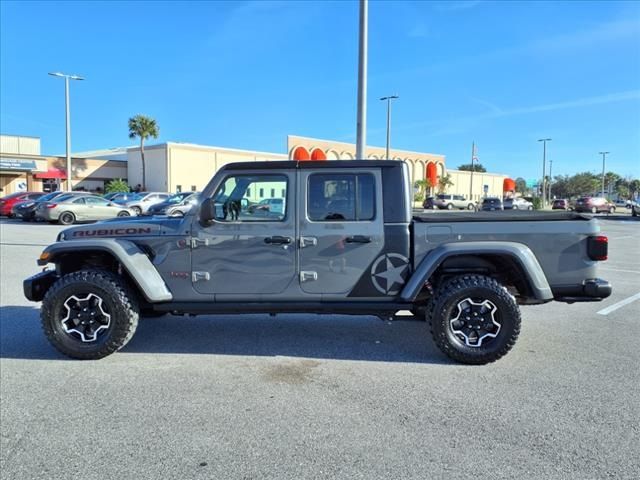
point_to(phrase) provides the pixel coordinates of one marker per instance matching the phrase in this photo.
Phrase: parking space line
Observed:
(620, 270)
(620, 304)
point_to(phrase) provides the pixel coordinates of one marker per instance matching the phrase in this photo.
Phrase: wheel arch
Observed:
(512, 262)
(121, 256)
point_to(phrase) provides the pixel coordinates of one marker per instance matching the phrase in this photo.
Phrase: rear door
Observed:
(247, 252)
(341, 228)
(99, 209)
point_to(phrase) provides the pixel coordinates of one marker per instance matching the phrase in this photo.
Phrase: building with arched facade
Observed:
(421, 165)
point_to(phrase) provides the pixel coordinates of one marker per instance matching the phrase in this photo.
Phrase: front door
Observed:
(341, 228)
(249, 249)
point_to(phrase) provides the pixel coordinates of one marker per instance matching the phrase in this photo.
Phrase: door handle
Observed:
(277, 240)
(358, 239)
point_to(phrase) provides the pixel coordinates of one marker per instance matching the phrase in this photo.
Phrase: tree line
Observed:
(587, 183)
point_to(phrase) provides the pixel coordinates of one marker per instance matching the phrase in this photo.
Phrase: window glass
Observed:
(78, 201)
(96, 201)
(341, 197)
(234, 201)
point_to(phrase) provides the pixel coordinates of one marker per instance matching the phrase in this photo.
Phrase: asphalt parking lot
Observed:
(305, 396)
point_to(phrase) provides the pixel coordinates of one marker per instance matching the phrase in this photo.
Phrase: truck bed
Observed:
(498, 216)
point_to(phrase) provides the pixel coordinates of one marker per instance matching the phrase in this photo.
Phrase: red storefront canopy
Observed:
(52, 173)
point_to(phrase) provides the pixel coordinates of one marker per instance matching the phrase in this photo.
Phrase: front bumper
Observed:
(36, 286)
(590, 290)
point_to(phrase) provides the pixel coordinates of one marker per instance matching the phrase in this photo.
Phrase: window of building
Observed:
(178, 188)
(341, 197)
(193, 188)
(233, 203)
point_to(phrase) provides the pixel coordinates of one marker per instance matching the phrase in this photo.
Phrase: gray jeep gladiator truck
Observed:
(340, 238)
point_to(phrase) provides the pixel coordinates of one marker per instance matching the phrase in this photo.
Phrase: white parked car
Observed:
(141, 202)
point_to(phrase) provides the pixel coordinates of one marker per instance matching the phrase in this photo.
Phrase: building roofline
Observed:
(208, 147)
(367, 146)
(23, 136)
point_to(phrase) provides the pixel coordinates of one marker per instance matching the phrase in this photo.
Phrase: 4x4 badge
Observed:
(389, 273)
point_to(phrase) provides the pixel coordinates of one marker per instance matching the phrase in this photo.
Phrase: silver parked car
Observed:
(69, 209)
(450, 202)
(141, 202)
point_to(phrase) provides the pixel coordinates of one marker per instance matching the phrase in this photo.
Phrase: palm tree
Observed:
(143, 127)
(444, 182)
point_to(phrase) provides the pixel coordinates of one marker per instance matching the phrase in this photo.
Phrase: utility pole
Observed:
(67, 120)
(604, 156)
(388, 99)
(361, 122)
(473, 157)
(544, 169)
(550, 178)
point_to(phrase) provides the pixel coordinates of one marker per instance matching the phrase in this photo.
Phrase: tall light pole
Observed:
(550, 178)
(473, 158)
(544, 169)
(67, 118)
(604, 156)
(361, 122)
(388, 99)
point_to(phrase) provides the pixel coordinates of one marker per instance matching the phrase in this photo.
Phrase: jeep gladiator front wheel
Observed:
(474, 319)
(89, 314)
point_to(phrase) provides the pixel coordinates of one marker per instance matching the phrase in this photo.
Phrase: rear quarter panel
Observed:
(559, 246)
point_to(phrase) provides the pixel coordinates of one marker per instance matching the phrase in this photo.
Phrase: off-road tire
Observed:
(446, 300)
(66, 218)
(117, 297)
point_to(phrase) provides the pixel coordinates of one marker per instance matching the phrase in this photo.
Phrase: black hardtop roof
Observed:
(289, 164)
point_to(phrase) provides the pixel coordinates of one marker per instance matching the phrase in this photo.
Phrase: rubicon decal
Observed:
(108, 232)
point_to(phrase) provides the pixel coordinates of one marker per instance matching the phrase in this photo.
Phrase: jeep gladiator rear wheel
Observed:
(474, 319)
(89, 314)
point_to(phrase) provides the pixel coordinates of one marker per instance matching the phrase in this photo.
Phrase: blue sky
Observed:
(245, 75)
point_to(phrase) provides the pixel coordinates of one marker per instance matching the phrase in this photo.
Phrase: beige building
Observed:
(23, 168)
(171, 166)
(462, 183)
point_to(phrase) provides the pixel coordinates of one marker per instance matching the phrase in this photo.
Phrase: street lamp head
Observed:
(390, 97)
(56, 74)
(544, 140)
(76, 77)
(604, 153)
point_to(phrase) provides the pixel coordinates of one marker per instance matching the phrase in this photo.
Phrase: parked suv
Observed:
(594, 205)
(450, 202)
(561, 204)
(492, 203)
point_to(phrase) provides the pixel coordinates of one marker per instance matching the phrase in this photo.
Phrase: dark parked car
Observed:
(492, 203)
(429, 203)
(7, 202)
(594, 205)
(175, 206)
(561, 204)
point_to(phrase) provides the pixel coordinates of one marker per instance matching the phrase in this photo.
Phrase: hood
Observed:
(125, 227)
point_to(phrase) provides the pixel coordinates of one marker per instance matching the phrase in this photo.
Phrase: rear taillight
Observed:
(598, 247)
(52, 205)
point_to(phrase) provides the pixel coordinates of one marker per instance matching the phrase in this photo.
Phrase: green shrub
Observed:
(116, 185)
(537, 203)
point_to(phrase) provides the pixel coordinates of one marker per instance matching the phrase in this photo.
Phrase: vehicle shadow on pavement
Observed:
(338, 337)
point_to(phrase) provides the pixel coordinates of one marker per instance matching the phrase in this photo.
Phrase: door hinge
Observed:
(197, 276)
(202, 241)
(308, 276)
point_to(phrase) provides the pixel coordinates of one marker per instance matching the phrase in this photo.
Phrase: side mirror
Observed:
(207, 211)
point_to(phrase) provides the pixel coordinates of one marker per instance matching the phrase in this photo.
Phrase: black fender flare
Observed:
(520, 253)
